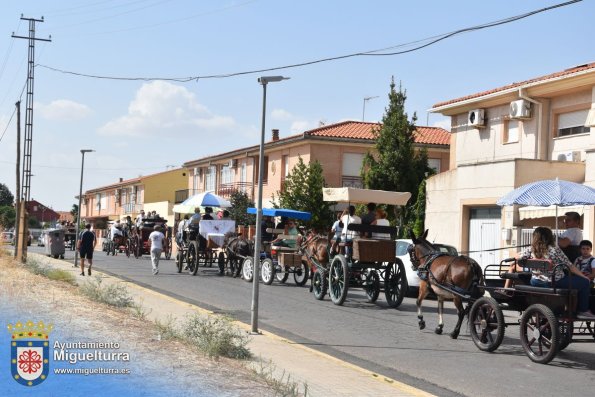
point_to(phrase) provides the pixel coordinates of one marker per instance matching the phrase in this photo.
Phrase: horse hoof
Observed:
(454, 335)
(438, 330)
(422, 324)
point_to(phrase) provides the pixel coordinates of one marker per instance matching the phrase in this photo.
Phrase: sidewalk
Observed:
(325, 375)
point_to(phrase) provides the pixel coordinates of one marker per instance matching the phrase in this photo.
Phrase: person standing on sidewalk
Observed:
(87, 243)
(157, 239)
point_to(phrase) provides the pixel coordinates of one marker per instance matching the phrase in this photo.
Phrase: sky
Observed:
(141, 127)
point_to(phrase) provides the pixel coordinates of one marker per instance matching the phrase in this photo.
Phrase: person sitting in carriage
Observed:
(181, 230)
(116, 231)
(208, 215)
(290, 230)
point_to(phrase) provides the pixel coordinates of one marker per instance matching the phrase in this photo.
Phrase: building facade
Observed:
(339, 148)
(502, 139)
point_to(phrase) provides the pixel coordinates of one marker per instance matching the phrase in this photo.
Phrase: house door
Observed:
(484, 235)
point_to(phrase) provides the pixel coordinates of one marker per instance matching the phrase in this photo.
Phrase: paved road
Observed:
(375, 336)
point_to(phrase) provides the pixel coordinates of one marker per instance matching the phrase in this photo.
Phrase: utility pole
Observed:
(28, 144)
(18, 192)
(26, 195)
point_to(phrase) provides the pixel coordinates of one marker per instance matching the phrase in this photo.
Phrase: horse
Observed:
(237, 248)
(316, 250)
(450, 277)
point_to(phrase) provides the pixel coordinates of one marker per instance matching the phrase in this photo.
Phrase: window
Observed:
(98, 201)
(243, 177)
(351, 170)
(195, 179)
(434, 164)
(226, 174)
(285, 166)
(511, 131)
(265, 175)
(573, 123)
(211, 178)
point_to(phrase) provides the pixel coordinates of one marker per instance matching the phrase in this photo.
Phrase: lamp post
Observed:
(264, 80)
(78, 220)
(364, 110)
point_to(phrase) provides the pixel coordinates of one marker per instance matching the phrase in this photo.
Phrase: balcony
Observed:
(227, 189)
(132, 208)
(183, 194)
(352, 181)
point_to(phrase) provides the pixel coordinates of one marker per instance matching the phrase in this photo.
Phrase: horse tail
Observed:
(478, 279)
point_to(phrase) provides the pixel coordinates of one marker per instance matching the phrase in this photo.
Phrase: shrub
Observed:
(114, 294)
(216, 336)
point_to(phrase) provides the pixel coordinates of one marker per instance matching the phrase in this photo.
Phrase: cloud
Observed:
(281, 114)
(160, 107)
(301, 126)
(63, 110)
(444, 123)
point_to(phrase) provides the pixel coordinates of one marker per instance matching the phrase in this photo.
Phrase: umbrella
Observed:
(550, 192)
(204, 199)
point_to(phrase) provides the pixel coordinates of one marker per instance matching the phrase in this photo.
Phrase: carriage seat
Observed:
(544, 290)
(523, 277)
(358, 227)
(280, 248)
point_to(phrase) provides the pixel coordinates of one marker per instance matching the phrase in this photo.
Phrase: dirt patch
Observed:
(173, 363)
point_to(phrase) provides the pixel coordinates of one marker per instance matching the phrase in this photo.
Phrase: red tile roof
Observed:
(563, 73)
(363, 130)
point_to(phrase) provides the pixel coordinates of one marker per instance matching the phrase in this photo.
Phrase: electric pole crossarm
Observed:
(29, 38)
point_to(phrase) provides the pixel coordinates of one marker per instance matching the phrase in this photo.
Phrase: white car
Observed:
(6, 237)
(403, 255)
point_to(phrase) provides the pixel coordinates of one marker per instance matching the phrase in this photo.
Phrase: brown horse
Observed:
(450, 277)
(237, 248)
(315, 248)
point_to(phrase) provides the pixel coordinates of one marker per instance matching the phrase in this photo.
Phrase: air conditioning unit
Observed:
(476, 118)
(574, 155)
(520, 109)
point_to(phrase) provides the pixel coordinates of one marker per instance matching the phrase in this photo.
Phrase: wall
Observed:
(162, 186)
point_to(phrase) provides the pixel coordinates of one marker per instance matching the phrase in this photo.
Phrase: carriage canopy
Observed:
(364, 196)
(293, 214)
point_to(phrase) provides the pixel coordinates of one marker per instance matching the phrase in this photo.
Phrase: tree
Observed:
(240, 202)
(302, 191)
(6, 197)
(7, 216)
(395, 165)
(75, 211)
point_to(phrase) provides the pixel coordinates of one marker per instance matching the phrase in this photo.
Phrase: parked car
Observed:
(403, 255)
(6, 237)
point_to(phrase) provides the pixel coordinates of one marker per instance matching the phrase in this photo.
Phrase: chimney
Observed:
(275, 134)
(121, 179)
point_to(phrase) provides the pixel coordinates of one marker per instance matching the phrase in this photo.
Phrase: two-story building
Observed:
(155, 192)
(503, 138)
(339, 148)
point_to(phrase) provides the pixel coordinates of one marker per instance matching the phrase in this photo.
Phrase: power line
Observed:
(91, 168)
(377, 52)
(8, 124)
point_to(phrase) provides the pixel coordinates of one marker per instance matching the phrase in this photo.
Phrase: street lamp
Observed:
(264, 80)
(365, 100)
(78, 221)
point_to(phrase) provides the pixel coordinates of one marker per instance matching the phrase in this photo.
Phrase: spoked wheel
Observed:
(372, 285)
(395, 283)
(267, 271)
(281, 274)
(127, 249)
(301, 274)
(137, 247)
(221, 261)
(113, 248)
(540, 333)
(192, 258)
(338, 279)
(180, 260)
(566, 331)
(590, 327)
(248, 269)
(319, 285)
(486, 324)
(107, 248)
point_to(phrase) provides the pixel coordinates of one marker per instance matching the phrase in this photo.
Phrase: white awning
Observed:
(357, 196)
(532, 212)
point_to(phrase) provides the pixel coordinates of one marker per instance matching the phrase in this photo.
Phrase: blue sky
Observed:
(138, 128)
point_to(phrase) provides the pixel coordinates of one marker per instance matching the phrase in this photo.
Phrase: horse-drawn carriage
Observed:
(116, 243)
(201, 244)
(547, 314)
(70, 238)
(138, 243)
(364, 260)
(280, 260)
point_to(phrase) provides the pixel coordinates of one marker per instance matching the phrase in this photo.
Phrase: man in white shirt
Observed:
(349, 217)
(573, 234)
(139, 218)
(156, 238)
(115, 230)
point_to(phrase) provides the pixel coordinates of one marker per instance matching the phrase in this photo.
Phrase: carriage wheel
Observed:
(106, 248)
(180, 261)
(540, 333)
(127, 248)
(248, 269)
(113, 248)
(221, 261)
(192, 258)
(281, 274)
(301, 274)
(137, 247)
(372, 285)
(566, 332)
(168, 248)
(338, 279)
(590, 328)
(395, 283)
(319, 285)
(267, 271)
(486, 324)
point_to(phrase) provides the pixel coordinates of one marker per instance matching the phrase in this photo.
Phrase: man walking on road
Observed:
(156, 238)
(87, 243)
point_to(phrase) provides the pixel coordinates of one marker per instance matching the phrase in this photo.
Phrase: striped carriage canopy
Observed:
(292, 214)
(550, 192)
(363, 196)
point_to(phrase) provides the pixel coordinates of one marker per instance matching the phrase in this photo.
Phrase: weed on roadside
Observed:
(35, 267)
(167, 329)
(139, 311)
(216, 336)
(283, 385)
(113, 294)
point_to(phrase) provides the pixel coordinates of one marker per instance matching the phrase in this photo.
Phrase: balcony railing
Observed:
(183, 194)
(353, 181)
(132, 208)
(227, 189)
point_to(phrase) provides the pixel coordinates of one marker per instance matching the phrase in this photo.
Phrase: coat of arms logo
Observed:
(29, 352)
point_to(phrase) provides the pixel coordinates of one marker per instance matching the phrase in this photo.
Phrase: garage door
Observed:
(484, 235)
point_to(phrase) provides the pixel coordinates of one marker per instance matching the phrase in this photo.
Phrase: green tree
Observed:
(75, 211)
(6, 197)
(33, 223)
(240, 202)
(394, 164)
(419, 211)
(7, 216)
(302, 191)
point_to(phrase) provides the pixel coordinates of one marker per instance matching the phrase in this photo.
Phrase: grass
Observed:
(283, 385)
(167, 329)
(216, 336)
(35, 267)
(139, 311)
(113, 294)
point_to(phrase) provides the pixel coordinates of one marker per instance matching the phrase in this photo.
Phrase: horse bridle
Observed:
(416, 262)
